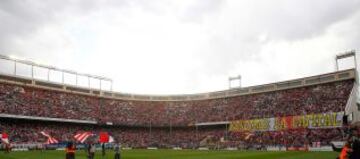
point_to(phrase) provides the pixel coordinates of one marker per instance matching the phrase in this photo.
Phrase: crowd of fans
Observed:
(289, 138)
(171, 123)
(331, 97)
(188, 137)
(140, 137)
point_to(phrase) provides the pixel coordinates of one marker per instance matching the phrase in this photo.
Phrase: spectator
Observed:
(169, 120)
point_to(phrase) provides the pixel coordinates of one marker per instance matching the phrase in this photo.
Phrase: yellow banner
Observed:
(324, 120)
(250, 125)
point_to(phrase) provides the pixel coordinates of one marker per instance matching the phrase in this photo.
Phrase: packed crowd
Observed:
(331, 97)
(139, 137)
(189, 137)
(171, 123)
(289, 138)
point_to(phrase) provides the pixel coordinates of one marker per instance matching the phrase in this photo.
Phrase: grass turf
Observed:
(176, 154)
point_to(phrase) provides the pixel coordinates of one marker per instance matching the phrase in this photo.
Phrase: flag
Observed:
(111, 139)
(81, 137)
(50, 139)
(5, 138)
(103, 137)
(248, 135)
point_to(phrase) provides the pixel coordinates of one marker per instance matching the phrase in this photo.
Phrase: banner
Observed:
(324, 120)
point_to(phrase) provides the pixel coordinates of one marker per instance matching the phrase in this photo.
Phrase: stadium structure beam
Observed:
(49, 68)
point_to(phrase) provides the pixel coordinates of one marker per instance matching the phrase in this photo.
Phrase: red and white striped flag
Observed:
(5, 138)
(248, 135)
(50, 139)
(81, 137)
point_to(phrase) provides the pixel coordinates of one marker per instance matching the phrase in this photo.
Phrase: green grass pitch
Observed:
(176, 154)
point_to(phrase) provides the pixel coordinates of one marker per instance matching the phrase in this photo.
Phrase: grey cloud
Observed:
(192, 12)
(198, 10)
(290, 21)
(307, 18)
(22, 18)
(233, 29)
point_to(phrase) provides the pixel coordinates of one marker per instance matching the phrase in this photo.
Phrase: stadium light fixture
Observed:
(345, 55)
(234, 79)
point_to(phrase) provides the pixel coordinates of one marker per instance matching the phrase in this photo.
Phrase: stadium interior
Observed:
(253, 117)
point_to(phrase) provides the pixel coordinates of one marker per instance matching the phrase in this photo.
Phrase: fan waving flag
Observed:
(81, 137)
(50, 139)
(5, 138)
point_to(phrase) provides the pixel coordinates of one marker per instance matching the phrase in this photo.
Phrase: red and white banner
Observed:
(50, 139)
(81, 137)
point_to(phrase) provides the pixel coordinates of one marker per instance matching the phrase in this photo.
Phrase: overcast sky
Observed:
(182, 46)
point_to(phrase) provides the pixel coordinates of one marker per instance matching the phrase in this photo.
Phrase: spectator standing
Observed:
(355, 143)
(117, 151)
(70, 151)
(91, 150)
(103, 150)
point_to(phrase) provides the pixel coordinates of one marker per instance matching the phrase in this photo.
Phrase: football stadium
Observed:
(179, 79)
(298, 118)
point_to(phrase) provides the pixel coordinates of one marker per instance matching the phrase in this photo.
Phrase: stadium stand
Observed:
(170, 123)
